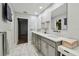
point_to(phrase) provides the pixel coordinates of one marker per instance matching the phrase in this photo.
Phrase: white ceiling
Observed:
(30, 8)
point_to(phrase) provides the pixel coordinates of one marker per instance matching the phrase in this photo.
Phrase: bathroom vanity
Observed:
(46, 45)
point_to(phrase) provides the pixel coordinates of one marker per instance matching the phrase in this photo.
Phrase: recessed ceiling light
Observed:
(36, 13)
(40, 7)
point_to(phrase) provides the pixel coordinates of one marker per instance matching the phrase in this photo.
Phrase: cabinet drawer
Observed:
(49, 42)
(67, 53)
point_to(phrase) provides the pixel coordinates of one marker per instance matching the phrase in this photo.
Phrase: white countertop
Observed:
(74, 51)
(50, 37)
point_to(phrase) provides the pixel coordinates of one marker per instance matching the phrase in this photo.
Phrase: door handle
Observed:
(66, 51)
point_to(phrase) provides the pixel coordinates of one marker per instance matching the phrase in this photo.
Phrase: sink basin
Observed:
(50, 35)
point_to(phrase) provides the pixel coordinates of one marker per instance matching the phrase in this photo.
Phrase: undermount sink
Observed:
(50, 35)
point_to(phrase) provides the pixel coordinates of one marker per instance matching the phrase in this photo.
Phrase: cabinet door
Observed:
(36, 41)
(1, 46)
(33, 38)
(44, 47)
(39, 43)
(51, 51)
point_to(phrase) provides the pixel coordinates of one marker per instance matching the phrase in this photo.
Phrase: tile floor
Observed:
(25, 49)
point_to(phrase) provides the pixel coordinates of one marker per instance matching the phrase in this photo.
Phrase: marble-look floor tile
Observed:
(25, 49)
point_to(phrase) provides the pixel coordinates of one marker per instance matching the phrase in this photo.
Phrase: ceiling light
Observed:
(36, 13)
(40, 7)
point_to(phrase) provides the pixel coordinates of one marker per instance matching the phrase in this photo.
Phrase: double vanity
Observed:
(46, 44)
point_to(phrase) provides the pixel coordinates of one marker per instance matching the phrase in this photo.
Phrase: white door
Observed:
(1, 48)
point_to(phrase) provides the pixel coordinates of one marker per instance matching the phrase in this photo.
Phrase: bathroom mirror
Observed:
(59, 18)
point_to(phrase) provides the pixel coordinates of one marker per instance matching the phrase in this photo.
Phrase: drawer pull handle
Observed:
(66, 51)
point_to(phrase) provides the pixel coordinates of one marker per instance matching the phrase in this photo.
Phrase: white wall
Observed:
(73, 20)
(32, 25)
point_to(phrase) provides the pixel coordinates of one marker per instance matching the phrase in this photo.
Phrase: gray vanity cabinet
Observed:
(44, 45)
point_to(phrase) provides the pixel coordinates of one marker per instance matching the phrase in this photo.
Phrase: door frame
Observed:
(18, 28)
